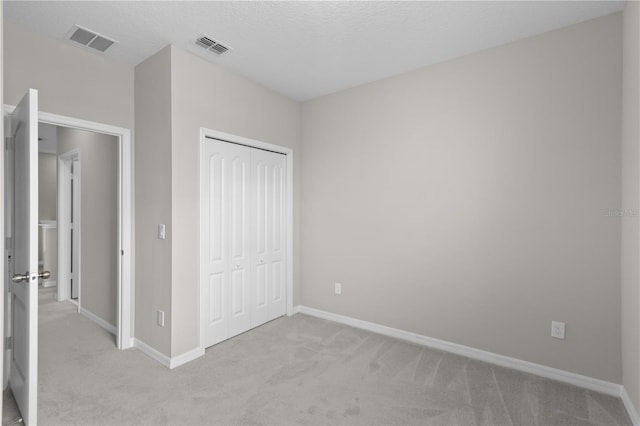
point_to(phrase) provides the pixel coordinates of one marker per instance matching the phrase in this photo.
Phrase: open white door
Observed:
(24, 299)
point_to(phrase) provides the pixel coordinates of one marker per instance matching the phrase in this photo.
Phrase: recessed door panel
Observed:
(260, 212)
(216, 297)
(238, 298)
(277, 281)
(261, 286)
(278, 208)
(217, 204)
(238, 216)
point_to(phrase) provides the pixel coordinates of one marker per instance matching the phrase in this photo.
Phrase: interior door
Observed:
(24, 362)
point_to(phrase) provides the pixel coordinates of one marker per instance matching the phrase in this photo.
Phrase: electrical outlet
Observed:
(161, 318)
(557, 329)
(162, 231)
(338, 288)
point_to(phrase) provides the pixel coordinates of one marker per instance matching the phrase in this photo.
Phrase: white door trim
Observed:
(125, 208)
(226, 137)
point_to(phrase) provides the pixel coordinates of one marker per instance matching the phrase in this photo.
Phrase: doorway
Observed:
(123, 219)
(87, 176)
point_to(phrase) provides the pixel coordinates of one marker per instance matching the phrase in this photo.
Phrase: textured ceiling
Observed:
(308, 49)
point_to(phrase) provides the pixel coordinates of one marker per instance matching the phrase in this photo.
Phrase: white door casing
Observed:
(24, 363)
(245, 219)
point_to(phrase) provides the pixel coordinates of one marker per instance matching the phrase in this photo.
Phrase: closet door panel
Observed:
(269, 178)
(215, 164)
(226, 197)
(239, 240)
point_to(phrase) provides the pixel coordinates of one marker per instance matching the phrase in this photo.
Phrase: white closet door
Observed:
(225, 194)
(268, 176)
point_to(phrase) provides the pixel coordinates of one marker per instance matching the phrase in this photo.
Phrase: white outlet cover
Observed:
(338, 288)
(557, 329)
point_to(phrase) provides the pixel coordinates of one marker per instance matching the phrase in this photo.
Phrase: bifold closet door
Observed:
(227, 169)
(243, 194)
(268, 243)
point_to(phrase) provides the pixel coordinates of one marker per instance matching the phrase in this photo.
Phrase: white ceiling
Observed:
(308, 49)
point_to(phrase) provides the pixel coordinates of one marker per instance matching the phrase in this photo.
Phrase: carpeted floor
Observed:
(296, 370)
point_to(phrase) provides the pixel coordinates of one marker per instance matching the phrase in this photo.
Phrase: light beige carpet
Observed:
(297, 370)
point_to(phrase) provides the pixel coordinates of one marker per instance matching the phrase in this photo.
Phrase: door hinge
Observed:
(8, 143)
(8, 343)
(8, 243)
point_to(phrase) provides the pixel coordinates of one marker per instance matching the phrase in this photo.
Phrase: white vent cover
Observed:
(89, 38)
(212, 45)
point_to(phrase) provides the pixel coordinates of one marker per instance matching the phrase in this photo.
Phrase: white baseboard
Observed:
(102, 323)
(165, 360)
(184, 358)
(152, 353)
(631, 409)
(490, 357)
(49, 284)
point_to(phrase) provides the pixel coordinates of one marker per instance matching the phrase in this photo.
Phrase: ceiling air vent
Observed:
(211, 44)
(89, 38)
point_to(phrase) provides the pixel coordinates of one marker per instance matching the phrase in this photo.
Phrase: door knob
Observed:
(18, 278)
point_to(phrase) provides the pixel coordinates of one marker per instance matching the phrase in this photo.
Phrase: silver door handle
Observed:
(18, 278)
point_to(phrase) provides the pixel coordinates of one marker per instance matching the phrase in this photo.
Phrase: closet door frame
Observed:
(208, 134)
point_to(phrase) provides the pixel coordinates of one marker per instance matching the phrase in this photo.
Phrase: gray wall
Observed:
(99, 219)
(70, 81)
(631, 204)
(153, 199)
(206, 95)
(47, 188)
(176, 94)
(466, 201)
